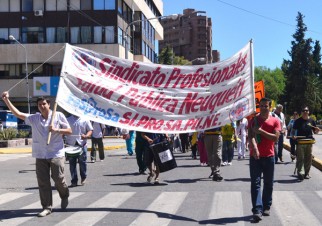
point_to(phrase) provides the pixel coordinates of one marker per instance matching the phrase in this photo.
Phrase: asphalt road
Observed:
(116, 194)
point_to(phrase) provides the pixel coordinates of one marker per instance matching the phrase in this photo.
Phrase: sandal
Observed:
(149, 179)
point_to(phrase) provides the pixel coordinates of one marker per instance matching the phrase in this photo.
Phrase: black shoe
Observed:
(300, 176)
(267, 212)
(257, 217)
(217, 177)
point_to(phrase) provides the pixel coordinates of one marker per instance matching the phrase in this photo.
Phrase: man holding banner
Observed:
(50, 159)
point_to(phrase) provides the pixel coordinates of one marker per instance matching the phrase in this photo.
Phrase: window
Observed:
(104, 35)
(11, 70)
(74, 4)
(119, 7)
(15, 32)
(50, 5)
(38, 5)
(120, 36)
(98, 31)
(4, 6)
(14, 5)
(99, 5)
(86, 35)
(4, 35)
(50, 34)
(27, 6)
(75, 35)
(61, 35)
(110, 34)
(32, 34)
(62, 5)
(86, 5)
(104, 4)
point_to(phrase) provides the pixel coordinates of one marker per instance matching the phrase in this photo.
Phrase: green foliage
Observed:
(274, 81)
(303, 72)
(166, 56)
(23, 134)
(181, 61)
(8, 134)
(313, 117)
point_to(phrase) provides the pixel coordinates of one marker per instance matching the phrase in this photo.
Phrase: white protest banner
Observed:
(156, 98)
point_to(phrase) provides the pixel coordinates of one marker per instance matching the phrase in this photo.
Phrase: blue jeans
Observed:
(258, 167)
(227, 151)
(81, 159)
(130, 143)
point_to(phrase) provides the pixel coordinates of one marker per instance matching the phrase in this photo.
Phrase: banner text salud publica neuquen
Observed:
(156, 98)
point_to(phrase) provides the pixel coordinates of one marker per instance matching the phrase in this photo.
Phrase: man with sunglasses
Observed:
(304, 127)
(263, 132)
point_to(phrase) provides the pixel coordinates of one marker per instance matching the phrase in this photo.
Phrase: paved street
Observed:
(116, 194)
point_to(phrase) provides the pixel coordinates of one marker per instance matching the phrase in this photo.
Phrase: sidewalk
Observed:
(110, 143)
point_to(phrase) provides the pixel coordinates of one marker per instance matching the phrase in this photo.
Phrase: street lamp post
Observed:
(126, 40)
(11, 37)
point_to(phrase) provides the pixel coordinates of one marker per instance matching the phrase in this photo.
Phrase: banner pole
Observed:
(252, 74)
(52, 121)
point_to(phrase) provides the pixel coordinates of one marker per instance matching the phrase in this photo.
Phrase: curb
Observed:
(28, 149)
(317, 163)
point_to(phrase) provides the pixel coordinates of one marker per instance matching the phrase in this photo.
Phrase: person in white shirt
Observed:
(82, 130)
(50, 159)
(97, 139)
(242, 134)
(279, 145)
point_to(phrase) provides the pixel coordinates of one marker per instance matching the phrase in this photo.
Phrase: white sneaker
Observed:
(224, 164)
(229, 163)
(44, 213)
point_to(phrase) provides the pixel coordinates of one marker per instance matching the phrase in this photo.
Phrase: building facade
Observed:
(42, 27)
(189, 36)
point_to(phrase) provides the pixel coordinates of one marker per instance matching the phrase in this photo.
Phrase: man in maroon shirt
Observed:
(263, 132)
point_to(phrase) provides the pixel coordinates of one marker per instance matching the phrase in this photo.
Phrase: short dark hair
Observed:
(265, 99)
(43, 99)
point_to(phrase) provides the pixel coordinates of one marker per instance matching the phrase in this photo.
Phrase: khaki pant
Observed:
(303, 158)
(44, 167)
(213, 144)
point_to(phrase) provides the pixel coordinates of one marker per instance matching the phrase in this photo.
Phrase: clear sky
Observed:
(270, 24)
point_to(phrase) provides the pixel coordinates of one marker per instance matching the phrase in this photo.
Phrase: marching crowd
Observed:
(262, 135)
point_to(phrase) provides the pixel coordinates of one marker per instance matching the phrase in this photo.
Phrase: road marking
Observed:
(16, 220)
(5, 157)
(291, 210)
(319, 193)
(111, 200)
(8, 197)
(165, 203)
(227, 205)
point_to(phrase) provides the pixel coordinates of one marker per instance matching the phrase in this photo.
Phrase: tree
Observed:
(166, 56)
(274, 81)
(301, 71)
(181, 61)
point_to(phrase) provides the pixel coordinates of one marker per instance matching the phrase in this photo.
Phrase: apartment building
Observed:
(189, 36)
(34, 32)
